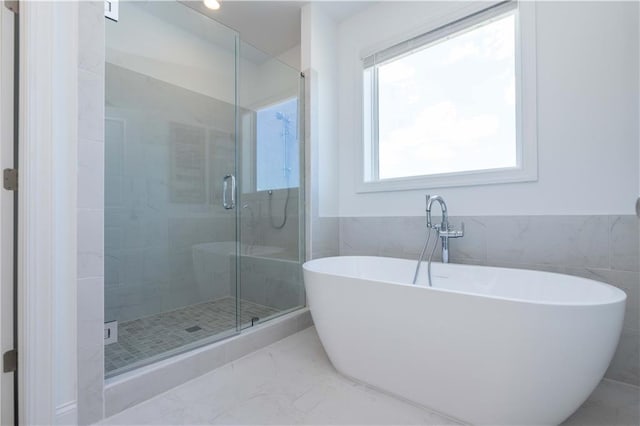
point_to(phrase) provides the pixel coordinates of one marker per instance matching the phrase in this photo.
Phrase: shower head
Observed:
(282, 116)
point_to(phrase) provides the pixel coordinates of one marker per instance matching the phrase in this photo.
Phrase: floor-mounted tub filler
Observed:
(484, 345)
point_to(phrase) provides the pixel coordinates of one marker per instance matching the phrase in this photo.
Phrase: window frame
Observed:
(526, 105)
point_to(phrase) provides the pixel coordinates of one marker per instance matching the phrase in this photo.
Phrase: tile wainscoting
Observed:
(603, 248)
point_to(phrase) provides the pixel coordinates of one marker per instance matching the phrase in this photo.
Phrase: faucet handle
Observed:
(451, 232)
(461, 229)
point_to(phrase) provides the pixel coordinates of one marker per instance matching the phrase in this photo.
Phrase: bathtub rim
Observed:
(308, 267)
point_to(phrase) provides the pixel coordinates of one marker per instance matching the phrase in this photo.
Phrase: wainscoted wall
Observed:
(600, 247)
(90, 301)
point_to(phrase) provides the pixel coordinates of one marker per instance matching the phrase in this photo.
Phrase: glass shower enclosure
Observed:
(203, 184)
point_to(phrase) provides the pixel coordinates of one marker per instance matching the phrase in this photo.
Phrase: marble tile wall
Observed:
(276, 283)
(154, 221)
(603, 248)
(90, 235)
(262, 214)
(325, 237)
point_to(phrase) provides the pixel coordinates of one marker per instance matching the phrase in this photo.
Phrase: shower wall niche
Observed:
(189, 257)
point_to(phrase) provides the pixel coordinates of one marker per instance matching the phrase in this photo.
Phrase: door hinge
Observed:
(10, 179)
(12, 5)
(111, 9)
(10, 361)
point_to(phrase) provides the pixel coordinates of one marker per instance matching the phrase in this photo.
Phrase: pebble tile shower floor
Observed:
(151, 336)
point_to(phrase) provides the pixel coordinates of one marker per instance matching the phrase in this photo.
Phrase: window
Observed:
(277, 149)
(445, 108)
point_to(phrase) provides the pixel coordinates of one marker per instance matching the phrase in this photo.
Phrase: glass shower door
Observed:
(271, 188)
(171, 226)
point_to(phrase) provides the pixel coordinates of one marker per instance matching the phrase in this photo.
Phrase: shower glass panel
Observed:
(204, 179)
(271, 191)
(170, 244)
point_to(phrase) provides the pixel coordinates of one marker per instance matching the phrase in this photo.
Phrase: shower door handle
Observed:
(228, 205)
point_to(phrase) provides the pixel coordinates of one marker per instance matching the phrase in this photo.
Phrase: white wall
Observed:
(587, 69)
(291, 57)
(191, 58)
(270, 81)
(197, 58)
(320, 41)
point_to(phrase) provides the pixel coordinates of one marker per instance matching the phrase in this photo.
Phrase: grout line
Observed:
(215, 317)
(618, 382)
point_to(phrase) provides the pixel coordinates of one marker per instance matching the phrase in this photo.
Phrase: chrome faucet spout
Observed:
(443, 207)
(444, 229)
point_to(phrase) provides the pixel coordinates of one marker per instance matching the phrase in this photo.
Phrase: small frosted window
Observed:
(277, 148)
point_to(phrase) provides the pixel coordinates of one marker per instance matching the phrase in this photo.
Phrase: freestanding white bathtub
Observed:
(484, 345)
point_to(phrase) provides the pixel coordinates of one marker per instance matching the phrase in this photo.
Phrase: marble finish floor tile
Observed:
(154, 335)
(612, 404)
(293, 382)
(289, 382)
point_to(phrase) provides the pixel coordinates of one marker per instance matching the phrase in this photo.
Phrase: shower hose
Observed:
(422, 253)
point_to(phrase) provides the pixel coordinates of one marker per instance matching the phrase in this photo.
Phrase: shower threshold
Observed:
(158, 336)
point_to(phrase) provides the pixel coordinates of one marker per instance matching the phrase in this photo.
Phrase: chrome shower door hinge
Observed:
(110, 332)
(12, 5)
(10, 361)
(111, 9)
(10, 179)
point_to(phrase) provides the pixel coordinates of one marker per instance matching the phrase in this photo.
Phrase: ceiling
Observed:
(273, 26)
(341, 10)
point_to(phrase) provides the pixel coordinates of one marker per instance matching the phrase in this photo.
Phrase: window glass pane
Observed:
(277, 149)
(450, 107)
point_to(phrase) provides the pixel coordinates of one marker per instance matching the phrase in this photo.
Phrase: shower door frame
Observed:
(227, 186)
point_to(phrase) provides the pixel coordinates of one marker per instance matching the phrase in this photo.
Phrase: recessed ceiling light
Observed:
(212, 4)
